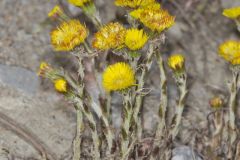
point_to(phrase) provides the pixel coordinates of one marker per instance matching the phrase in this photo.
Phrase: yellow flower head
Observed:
(60, 85)
(176, 62)
(135, 39)
(118, 76)
(232, 13)
(57, 10)
(230, 51)
(216, 102)
(68, 35)
(133, 3)
(79, 3)
(43, 68)
(111, 36)
(154, 18)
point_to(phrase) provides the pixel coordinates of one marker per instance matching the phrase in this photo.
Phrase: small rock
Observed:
(230, 3)
(185, 153)
(19, 78)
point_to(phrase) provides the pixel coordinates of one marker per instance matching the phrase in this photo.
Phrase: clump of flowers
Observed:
(127, 78)
(118, 76)
(154, 18)
(135, 39)
(230, 51)
(133, 3)
(111, 36)
(68, 35)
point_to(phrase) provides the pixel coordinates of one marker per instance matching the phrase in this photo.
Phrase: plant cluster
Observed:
(139, 44)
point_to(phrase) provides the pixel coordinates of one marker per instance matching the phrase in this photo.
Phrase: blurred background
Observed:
(29, 104)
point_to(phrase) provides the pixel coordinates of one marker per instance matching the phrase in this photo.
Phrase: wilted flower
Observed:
(230, 51)
(216, 102)
(43, 68)
(111, 36)
(176, 62)
(153, 17)
(118, 76)
(79, 3)
(68, 35)
(135, 39)
(60, 85)
(232, 13)
(57, 10)
(133, 3)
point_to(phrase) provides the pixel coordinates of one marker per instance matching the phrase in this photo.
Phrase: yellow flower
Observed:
(43, 68)
(232, 13)
(230, 51)
(135, 39)
(154, 18)
(118, 76)
(68, 35)
(111, 36)
(216, 102)
(60, 85)
(57, 10)
(133, 3)
(176, 62)
(79, 3)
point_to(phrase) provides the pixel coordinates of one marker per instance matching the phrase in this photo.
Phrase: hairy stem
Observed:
(92, 125)
(77, 140)
(141, 82)
(127, 119)
(232, 107)
(163, 98)
(162, 106)
(181, 81)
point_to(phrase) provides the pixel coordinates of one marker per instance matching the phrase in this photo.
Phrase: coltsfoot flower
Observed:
(57, 10)
(118, 76)
(133, 3)
(111, 36)
(68, 35)
(176, 62)
(79, 3)
(135, 39)
(232, 13)
(43, 68)
(216, 102)
(153, 17)
(230, 51)
(60, 85)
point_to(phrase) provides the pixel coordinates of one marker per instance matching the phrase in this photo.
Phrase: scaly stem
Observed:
(232, 107)
(162, 106)
(77, 140)
(141, 82)
(109, 109)
(92, 125)
(125, 132)
(102, 115)
(237, 21)
(181, 81)
(163, 99)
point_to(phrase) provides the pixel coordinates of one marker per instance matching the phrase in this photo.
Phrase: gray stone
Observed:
(19, 78)
(230, 3)
(185, 153)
